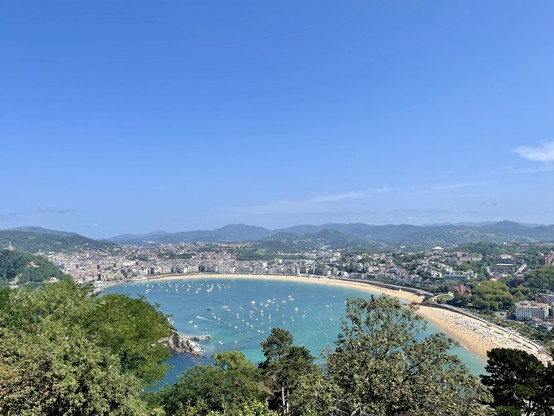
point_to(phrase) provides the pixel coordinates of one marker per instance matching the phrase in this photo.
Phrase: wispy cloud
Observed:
(458, 185)
(338, 197)
(8, 216)
(525, 171)
(312, 204)
(542, 153)
(430, 216)
(54, 210)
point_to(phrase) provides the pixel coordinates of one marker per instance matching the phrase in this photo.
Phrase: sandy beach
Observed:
(475, 335)
(478, 336)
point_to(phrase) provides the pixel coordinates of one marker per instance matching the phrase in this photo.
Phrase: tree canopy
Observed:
(64, 352)
(519, 383)
(20, 267)
(230, 387)
(541, 278)
(383, 365)
(492, 296)
(284, 368)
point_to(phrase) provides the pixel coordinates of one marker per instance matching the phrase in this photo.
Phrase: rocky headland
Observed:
(184, 345)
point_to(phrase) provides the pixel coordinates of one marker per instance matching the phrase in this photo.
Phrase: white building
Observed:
(527, 310)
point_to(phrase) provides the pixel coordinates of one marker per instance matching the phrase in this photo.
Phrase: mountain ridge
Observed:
(358, 234)
(300, 237)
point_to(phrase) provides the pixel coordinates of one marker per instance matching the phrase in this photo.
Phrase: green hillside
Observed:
(34, 241)
(24, 268)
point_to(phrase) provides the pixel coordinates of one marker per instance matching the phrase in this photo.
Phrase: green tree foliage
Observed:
(541, 278)
(277, 344)
(460, 300)
(58, 358)
(230, 387)
(492, 296)
(58, 373)
(383, 366)
(484, 248)
(519, 383)
(130, 328)
(534, 256)
(50, 241)
(284, 368)
(520, 292)
(20, 267)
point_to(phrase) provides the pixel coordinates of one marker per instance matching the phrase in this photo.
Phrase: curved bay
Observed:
(238, 314)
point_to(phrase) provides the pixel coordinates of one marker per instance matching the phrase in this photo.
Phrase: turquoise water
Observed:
(239, 314)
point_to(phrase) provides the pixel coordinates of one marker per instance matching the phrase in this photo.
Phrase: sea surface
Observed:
(238, 314)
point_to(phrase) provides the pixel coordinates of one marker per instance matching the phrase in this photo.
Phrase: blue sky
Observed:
(131, 116)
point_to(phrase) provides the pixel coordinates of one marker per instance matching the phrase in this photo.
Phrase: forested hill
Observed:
(356, 235)
(35, 239)
(22, 268)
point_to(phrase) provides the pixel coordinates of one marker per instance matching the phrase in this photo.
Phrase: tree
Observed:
(59, 372)
(128, 328)
(131, 328)
(230, 387)
(519, 382)
(460, 299)
(382, 365)
(277, 344)
(60, 351)
(541, 278)
(492, 296)
(284, 367)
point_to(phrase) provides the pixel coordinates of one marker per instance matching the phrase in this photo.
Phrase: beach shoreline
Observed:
(474, 334)
(403, 295)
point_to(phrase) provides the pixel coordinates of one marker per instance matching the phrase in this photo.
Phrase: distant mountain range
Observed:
(296, 238)
(355, 235)
(229, 233)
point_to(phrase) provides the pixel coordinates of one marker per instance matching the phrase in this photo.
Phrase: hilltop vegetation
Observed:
(22, 268)
(41, 240)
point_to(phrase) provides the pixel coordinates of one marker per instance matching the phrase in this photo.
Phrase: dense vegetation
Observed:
(34, 242)
(519, 383)
(257, 252)
(21, 268)
(541, 278)
(492, 296)
(65, 352)
(484, 248)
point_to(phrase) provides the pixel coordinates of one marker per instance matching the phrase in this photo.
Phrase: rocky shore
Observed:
(182, 344)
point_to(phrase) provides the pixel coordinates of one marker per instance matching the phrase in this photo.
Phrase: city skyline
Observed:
(137, 116)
